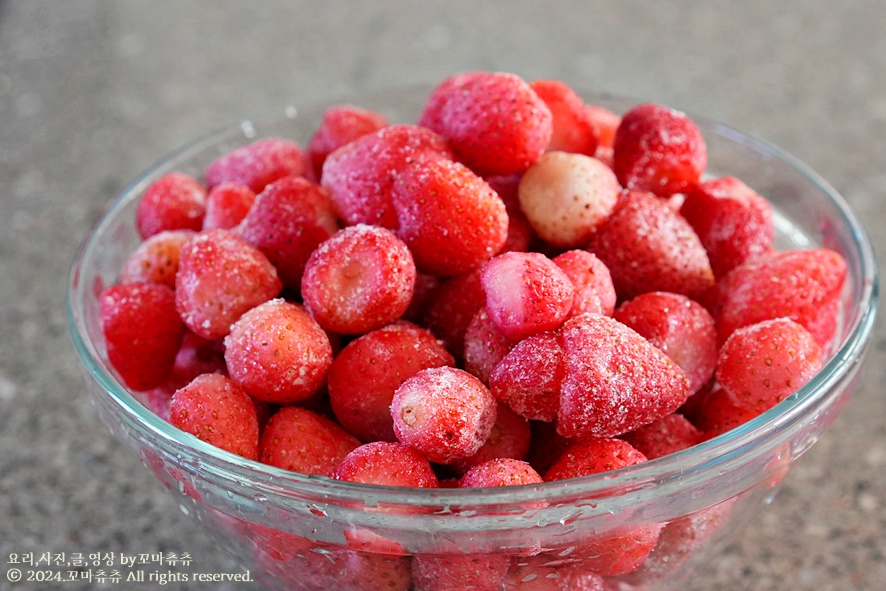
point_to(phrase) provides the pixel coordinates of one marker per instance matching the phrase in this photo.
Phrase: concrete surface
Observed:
(93, 91)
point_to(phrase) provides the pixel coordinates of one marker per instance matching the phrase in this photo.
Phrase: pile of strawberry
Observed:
(519, 287)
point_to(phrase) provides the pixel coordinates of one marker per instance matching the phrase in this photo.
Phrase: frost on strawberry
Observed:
(257, 164)
(803, 285)
(529, 377)
(299, 440)
(572, 128)
(615, 380)
(647, 246)
(341, 125)
(175, 201)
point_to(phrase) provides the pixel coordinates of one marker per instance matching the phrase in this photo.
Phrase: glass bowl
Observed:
(293, 531)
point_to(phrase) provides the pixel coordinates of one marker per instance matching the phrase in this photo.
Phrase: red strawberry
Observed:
(450, 218)
(668, 434)
(594, 291)
(803, 285)
(762, 364)
(509, 438)
(680, 327)
(573, 130)
(217, 411)
(529, 377)
(647, 246)
(297, 439)
(733, 222)
(361, 174)
(219, 278)
(616, 381)
(431, 115)
(387, 464)
(227, 205)
(451, 307)
(341, 125)
(485, 346)
(288, 220)
(658, 149)
(258, 164)
(142, 332)
(477, 572)
(500, 472)
(495, 123)
(156, 259)
(175, 201)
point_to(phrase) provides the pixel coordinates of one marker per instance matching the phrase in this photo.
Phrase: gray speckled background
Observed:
(93, 91)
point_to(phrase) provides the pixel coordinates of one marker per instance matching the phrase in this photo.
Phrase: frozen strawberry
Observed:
(360, 175)
(647, 246)
(257, 164)
(386, 464)
(714, 412)
(520, 232)
(297, 439)
(572, 130)
(477, 572)
(156, 259)
(592, 456)
(219, 278)
(226, 206)
(680, 327)
(509, 438)
(658, 149)
(762, 364)
(615, 381)
(175, 201)
(450, 308)
(450, 218)
(444, 413)
(528, 378)
(566, 197)
(367, 571)
(341, 125)
(667, 435)
(495, 123)
(605, 124)
(432, 111)
(500, 472)
(803, 285)
(594, 291)
(733, 222)
(142, 332)
(526, 293)
(485, 346)
(277, 353)
(289, 219)
(217, 411)
(364, 376)
(358, 280)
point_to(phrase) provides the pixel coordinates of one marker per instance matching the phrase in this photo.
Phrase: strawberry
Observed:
(500, 472)
(529, 377)
(226, 206)
(257, 164)
(297, 439)
(361, 174)
(572, 129)
(175, 201)
(494, 121)
(156, 259)
(615, 380)
(451, 307)
(142, 332)
(288, 220)
(733, 222)
(217, 411)
(509, 438)
(219, 278)
(278, 353)
(431, 115)
(485, 346)
(566, 197)
(594, 291)
(668, 434)
(387, 464)
(445, 413)
(341, 125)
(450, 218)
(762, 364)
(658, 149)
(803, 285)
(680, 327)
(358, 280)
(647, 246)
(477, 572)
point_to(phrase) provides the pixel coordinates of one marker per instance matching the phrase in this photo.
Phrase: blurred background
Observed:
(92, 92)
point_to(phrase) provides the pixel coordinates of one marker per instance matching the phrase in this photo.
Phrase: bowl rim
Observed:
(673, 472)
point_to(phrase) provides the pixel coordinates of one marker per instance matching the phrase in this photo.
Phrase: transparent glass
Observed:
(307, 532)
